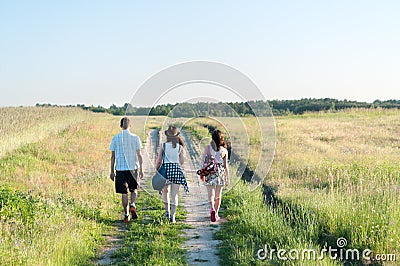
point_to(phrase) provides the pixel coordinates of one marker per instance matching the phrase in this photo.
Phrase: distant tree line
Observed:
(278, 107)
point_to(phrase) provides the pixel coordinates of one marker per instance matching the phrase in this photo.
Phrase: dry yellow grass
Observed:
(346, 167)
(335, 175)
(65, 176)
(56, 198)
(23, 125)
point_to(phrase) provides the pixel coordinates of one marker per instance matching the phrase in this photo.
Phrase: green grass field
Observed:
(57, 203)
(56, 200)
(334, 175)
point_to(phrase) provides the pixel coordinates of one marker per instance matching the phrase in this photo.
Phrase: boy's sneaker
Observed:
(212, 215)
(132, 209)
(172, 219)
(167, 215)
(126, 219)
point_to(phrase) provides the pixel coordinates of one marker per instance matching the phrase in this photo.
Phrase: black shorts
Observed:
(126, 181)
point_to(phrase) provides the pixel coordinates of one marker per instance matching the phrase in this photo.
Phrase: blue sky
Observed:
(100, 52)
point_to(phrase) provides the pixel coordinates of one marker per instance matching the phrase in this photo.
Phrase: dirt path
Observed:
(202, 248)
(115, 240)
(113, 243)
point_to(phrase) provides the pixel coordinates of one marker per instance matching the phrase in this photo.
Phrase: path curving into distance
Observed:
(201, 246)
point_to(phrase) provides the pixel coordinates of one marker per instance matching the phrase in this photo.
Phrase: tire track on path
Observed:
(114, 239)
(201, 246)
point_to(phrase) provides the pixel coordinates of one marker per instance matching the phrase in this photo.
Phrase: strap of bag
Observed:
(163, 152)
(208, 153)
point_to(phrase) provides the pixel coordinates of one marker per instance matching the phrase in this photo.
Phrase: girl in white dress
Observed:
(216, 181)
(173, 150)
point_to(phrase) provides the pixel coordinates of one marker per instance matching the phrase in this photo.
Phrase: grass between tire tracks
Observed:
(152, 239)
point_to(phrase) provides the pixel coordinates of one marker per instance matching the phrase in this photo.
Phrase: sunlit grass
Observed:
(335, 174)
(345, 166)
(153, 240)
(252, 225)
(38, 231)
(23, 125)
(57, 200)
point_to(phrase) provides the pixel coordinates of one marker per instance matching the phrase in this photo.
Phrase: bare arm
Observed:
(140, 159)
(227, 181)
(204, 155)
(159, 158)
(181, 155)
(112, 173)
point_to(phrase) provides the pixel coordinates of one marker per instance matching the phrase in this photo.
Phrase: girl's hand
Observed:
(227, 181)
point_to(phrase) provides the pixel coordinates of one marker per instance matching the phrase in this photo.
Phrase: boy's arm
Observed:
(138, 147)
(112, 173)
(140, 160)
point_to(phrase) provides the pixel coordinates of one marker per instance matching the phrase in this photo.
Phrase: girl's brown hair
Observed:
(173, 135)
(217, 140)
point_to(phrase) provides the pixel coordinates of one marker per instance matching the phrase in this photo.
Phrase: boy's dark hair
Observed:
(125, 123)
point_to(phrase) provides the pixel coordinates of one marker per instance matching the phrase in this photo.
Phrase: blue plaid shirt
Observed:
(125, 145)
